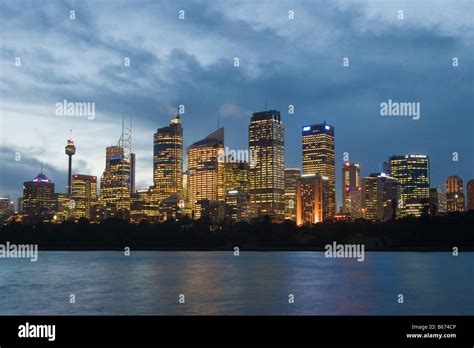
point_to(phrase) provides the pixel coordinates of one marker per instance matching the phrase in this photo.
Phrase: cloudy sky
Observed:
(47, 57)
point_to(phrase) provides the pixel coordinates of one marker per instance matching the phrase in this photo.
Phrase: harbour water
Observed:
(254, 283)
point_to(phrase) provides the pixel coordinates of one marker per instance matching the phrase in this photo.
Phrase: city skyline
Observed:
(167, 73)
(211, 177)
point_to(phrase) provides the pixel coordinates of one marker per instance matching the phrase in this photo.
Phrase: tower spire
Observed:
(70, 151)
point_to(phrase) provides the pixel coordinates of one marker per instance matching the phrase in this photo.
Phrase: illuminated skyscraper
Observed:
(235, 204)
(236, 176)
(168, 160)
(318, 158)
(63, 207)
(470, 195)
(132, 173)
(118, 177)
(357, 203)
(413, 174)
(311, 199)
(454, 193)
(291, 177)
(70, 151)
(185, 186)
(38, 197)
(115, 181)
(267, 166)
(112, 152)
(350, 183)
(143, 207)
(84, 195)
(206, 170)
(6, 206)
(381, 196)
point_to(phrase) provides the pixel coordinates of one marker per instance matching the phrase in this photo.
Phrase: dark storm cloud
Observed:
(190, 62)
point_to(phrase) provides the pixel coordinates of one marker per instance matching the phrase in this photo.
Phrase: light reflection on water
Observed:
(253, 283)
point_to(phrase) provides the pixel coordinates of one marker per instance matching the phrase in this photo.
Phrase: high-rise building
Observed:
(214, 210)
(38, 197)
(413, 175)
(115, 182)
(235, 204)
(350, 183)
(454, 194)
(64, 207)
(206, 170)
(112, 152)
(357, 203)
(143, 206)
(267, 167)
(6, 206)
(168, 160)
(185, 186)
(132, 172)
(470, 195)
(417, 207)
(291, 177)
(84, 195)
(70, 151)
(437, 202)
(318, 158)
(311, 199)
(236, 176)
(381, 197)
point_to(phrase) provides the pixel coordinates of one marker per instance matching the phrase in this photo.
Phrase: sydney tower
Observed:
(70, 151)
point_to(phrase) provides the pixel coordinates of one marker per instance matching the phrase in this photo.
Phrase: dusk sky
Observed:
(190, 61)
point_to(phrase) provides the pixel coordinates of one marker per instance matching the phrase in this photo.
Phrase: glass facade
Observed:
(267, 169)
(318, 158)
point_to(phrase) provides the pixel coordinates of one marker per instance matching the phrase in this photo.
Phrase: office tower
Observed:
(132, 172)
(38, 197)
(291, 177)
(84, 195)
(6, 206)
(318, 158)
(470, 195)
(211, 209)
(70, 151)
(381, 196)
(311, 199)
(413, 174)
(64, 207)
(168, 160)
(143, 206)
(185, 186)
(112, 152)
(236, 202)
(267, 167)
(357, 203)
(454, 194)
(115, 183)
(236, 176)
(417, 207)
(350, 183)
(437, 202)
(206, 170)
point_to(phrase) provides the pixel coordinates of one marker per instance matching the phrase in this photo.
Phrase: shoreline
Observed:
(407, 249)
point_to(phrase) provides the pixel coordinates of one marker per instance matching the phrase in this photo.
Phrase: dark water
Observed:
(252, 283)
